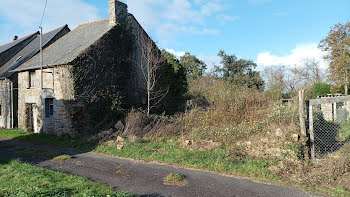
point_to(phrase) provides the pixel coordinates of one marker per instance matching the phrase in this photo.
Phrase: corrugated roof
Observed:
(70, 46)
(8, 46)
(30, 50)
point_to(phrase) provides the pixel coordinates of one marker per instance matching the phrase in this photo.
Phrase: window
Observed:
(32, 79)
(48, 107)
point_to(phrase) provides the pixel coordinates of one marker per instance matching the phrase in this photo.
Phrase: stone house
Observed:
(82, 64)
(13, 55)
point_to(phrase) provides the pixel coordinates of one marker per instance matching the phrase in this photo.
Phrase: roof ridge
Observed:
(20, 38)
(55, 29)
(93, 22)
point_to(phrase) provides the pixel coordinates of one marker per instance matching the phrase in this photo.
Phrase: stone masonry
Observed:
(57, 85)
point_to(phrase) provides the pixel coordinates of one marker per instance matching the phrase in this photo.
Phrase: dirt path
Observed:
(146, 179)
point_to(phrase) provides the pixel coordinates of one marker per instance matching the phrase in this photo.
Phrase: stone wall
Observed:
(57, 85)
(5, 102)
(327, 111)
(137, 79)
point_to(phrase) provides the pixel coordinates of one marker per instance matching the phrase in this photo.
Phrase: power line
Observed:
(42, 18)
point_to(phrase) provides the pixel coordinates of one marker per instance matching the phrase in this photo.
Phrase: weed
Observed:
(61, 158)
(120, 170)
(175, 179)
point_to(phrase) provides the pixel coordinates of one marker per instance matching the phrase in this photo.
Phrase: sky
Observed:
(269, 32)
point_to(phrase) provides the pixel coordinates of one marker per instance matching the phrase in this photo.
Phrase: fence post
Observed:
(301, 112)
(311, 132)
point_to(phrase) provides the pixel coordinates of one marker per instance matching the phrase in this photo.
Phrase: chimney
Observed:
(118, 12)
(15, 38)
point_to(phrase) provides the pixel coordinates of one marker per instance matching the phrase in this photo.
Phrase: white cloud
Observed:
(166, 19)
(178, 54)
(181, 11)
(224, 19)
(296, 57)
(24, 16)
(210, 61)
(211, 7)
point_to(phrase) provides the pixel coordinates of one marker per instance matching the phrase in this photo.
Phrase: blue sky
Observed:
(270, 32)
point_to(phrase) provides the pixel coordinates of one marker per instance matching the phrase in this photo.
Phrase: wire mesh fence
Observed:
(329, 125)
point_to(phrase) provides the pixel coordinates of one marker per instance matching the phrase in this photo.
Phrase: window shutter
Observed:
(28, 81)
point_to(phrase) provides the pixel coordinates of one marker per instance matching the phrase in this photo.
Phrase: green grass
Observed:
(167, 152)
(38, 152)
(20, 179)
(18, 134)
(170, 152)
(61, 158)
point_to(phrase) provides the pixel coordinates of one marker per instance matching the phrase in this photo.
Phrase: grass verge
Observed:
(20, 179)
(170, 152)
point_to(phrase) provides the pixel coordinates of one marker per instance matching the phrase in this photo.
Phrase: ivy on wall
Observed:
(100, 80)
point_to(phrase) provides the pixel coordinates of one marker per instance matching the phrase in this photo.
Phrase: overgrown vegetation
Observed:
(103, 99)
(19, 179)
(232, 123)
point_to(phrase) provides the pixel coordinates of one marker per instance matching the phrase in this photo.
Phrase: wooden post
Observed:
(301, 112)
(311, 131)
(334, 112)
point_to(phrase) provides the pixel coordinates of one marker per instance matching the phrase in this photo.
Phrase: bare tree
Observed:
(150, 63)
(288, 80)
(314, 72)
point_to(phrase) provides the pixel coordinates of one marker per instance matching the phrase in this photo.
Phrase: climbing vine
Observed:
(100, 80)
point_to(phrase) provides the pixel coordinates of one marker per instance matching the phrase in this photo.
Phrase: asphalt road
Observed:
(146, 179)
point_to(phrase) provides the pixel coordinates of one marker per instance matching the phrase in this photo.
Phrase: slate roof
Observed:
(8, 46)
(30, 50)
(69, 47)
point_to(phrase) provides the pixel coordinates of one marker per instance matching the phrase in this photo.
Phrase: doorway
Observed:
(29, 118)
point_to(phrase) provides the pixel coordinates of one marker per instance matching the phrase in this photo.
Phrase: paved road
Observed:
(146, 179)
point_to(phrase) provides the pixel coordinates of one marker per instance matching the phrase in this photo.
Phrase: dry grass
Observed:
(249, 125)
(139, 124)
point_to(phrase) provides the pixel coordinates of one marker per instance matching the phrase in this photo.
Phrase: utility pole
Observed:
(41, 57)
(41, 48)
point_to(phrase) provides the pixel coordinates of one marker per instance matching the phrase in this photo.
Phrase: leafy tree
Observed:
(337, 46)
(239, 71)
(173, 75)
(195, 68)
(320, 89)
